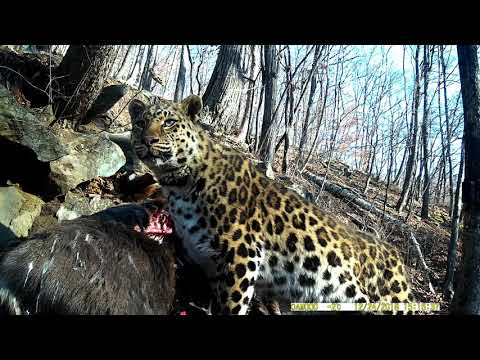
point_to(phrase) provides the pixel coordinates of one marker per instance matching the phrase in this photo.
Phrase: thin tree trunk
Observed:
(191, 68)
(449, 134)
(124, 62)
(180, 86)
(452, 247)
(267, 133)
(426, 175)
(140, 68)
(313, 87)
(146, 80)
(413, 138)
(288, 117)
(245, 123)
(134, 65)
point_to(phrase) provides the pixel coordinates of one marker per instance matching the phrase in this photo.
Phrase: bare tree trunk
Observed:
(390, 162)
(371, 162)
(426, 175)
(140, 68)
(442, 174)
(400, 169)
(180, 86)
(452, 247)
(289, 104)
(223, 88)
(146, 80)
(267, 134)
(244, 125)
(82, 74)
(191, 68)
(449, 134)
(313, 87)
(137, 60)
(467, 294)
(122, 65)
(260, 100)
(413, 138)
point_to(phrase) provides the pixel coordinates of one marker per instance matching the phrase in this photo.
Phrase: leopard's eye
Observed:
(169, 122)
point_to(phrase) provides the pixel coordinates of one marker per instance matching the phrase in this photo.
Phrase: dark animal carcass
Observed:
(107, 263)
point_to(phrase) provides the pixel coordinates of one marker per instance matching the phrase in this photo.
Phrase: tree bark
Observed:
(313, 88)
(82, 74)
(223, 89)
(452, 247)
(413, 138)
(426, 175)
(289, 104)
(270, 82)
(468, 289)
(180, 86)
(449, 135)
(140, 57)
(146, 80)
(191, 68)
(244, 125)
(124, 61)
(134, 65)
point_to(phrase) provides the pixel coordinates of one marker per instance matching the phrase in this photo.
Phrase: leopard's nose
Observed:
(150, 140)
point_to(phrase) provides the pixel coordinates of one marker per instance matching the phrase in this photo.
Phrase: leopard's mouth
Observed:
(160, 164)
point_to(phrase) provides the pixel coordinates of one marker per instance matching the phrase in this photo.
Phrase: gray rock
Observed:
(18, 211)
(77, 205)
(23, 126)
(89, 156)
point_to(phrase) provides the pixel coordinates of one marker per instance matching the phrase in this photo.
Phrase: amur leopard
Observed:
(251, 234)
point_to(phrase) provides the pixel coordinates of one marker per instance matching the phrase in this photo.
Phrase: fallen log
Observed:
(344, 193)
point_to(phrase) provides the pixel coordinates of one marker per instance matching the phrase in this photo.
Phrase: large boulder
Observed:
(18, 211)
(24, 126)
(89, 156)
(59, 158)
(76, 205)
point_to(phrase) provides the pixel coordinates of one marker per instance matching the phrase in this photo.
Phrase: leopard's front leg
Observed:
(238, 268)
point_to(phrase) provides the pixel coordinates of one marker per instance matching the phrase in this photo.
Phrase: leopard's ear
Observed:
(192, 105)
(136, 109)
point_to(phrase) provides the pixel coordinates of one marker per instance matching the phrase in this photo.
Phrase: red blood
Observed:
(160, 224)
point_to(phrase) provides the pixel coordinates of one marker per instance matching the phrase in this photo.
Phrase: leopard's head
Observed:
(165, 136)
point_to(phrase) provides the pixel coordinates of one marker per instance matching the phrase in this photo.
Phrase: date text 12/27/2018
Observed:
(373, 307)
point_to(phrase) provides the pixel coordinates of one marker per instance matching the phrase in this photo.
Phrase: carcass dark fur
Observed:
(91, 265)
